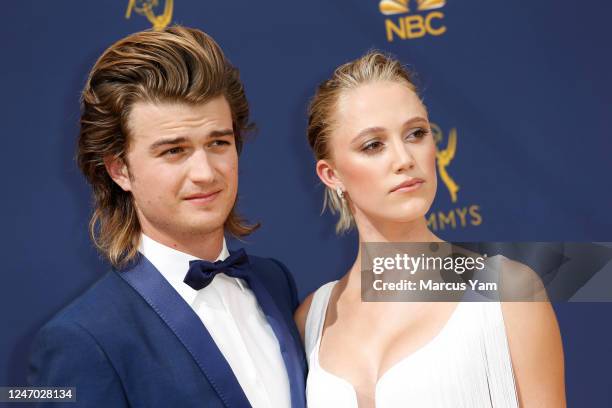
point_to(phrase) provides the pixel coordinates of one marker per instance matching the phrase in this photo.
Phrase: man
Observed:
(163, 120)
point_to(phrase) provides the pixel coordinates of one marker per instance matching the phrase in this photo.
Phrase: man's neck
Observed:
(206, 246)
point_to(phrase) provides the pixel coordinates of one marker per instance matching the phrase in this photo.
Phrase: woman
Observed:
(376, 155)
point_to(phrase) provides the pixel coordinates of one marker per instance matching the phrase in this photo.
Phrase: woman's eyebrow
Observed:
(380, 129)
(415, 120)
(368, 131)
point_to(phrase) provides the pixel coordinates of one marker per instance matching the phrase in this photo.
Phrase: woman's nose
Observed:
(402, 157)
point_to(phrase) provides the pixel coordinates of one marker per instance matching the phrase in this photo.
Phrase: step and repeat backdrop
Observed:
(519, 93)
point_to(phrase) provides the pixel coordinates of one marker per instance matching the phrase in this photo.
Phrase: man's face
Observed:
(182, 168)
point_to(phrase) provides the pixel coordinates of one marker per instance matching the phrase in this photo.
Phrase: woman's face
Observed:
(382, 153)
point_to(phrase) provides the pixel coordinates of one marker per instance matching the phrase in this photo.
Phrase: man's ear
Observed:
(328, 175)
(117, 170)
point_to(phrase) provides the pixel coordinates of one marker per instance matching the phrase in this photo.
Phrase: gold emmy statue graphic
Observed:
(390, 7)
(146, 8)
(445, 157)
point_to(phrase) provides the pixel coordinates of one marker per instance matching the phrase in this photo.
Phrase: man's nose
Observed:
(200, 168)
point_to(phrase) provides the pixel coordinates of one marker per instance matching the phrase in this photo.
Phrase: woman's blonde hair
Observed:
(178, 64)
(374, 66)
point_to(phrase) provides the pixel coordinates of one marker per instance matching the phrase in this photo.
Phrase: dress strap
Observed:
(316, 316)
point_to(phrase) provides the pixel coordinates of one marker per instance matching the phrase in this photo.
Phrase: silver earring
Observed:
(340, 193)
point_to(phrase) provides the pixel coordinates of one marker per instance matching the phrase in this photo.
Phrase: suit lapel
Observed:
(187, 327)
(290, 351)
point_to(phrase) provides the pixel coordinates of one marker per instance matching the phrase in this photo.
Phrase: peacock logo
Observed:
(412, 26)
(391, 7)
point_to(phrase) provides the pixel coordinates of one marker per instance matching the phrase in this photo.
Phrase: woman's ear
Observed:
(117, 170)
(329, 175)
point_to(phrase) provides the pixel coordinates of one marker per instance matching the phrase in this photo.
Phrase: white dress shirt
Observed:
(230, 312)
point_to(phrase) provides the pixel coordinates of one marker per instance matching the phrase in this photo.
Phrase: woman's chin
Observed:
(411, 211)
(405, 217)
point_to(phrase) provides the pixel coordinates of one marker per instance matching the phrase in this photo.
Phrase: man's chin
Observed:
(203, 228)
(196, 223)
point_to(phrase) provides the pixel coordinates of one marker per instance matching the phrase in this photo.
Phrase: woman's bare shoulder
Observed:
(301, 313)
(536, 349)
(518, 282)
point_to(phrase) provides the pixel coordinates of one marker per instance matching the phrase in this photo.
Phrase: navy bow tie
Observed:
(202, 273)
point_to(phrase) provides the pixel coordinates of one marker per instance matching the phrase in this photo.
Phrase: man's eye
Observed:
(220, 142)
(173, 151)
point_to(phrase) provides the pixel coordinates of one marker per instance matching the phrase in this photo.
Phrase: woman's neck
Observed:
(393, 231)
(388, 231)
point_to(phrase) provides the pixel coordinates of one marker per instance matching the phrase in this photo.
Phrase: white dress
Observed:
(466, 365)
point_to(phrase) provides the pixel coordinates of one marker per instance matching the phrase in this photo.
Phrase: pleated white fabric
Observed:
(466, 365)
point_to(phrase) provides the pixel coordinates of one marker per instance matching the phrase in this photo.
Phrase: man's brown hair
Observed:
(178, 64)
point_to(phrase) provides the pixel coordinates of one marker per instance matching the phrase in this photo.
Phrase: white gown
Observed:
(466, 365)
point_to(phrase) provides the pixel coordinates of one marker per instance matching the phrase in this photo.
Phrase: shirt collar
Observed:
(174, 264)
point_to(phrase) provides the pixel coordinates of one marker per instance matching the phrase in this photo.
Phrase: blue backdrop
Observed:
(524, 89)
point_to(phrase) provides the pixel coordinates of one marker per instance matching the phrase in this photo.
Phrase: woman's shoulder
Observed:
(301, 313)
(533, 335)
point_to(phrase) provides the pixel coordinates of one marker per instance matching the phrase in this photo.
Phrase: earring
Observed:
(340, 193)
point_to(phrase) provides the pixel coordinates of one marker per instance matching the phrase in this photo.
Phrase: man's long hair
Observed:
(177, 64)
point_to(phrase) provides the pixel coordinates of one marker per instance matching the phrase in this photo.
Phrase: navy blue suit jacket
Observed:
(131, 340)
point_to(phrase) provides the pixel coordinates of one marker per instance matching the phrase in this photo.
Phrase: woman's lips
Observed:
(407, 186)
(203, 198)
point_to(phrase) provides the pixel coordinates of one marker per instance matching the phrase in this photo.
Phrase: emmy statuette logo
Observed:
(463, 215)
(427, 20)
(444, 158)
(147, 9)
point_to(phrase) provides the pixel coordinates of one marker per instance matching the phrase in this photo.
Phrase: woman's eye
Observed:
(417, 134)
(371, 146)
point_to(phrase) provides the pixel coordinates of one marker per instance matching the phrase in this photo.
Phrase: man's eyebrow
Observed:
(166, 142)
(177, 140)
(221, 133)
(379, 129)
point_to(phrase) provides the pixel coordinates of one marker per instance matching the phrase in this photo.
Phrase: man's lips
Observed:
(408, 185)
